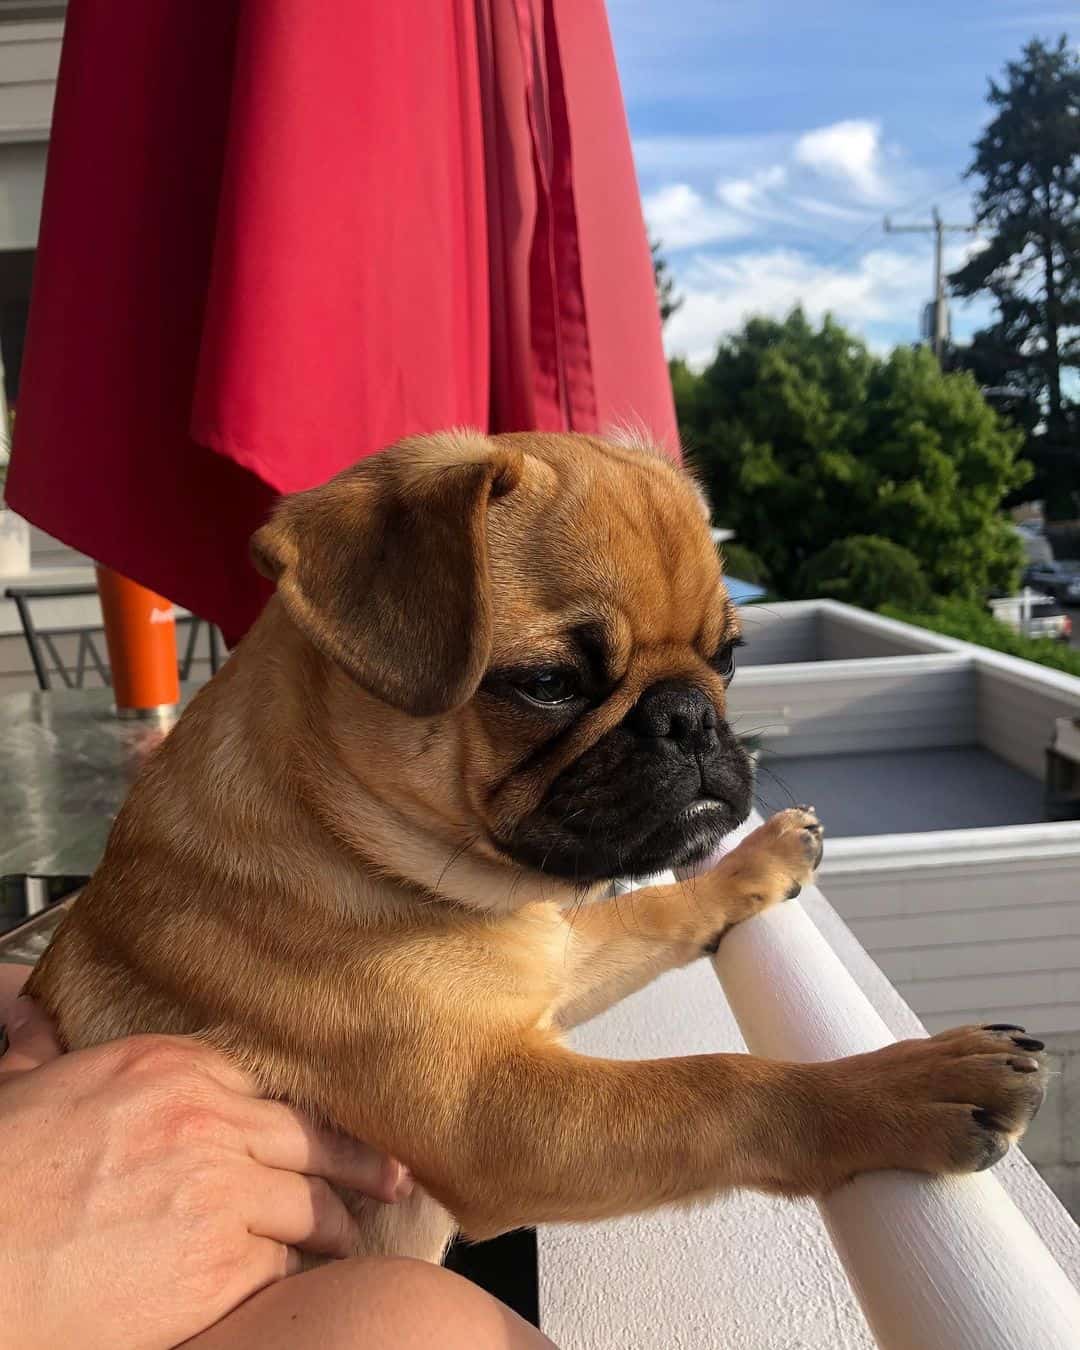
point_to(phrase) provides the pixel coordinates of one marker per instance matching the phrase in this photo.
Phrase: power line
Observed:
(945, 192)
(939, 330)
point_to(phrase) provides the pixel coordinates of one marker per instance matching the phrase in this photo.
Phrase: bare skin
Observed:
(214, 1139)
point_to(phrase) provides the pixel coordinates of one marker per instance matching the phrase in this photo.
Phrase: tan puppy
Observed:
(367, 861)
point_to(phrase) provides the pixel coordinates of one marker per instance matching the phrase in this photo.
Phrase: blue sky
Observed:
(772, 136)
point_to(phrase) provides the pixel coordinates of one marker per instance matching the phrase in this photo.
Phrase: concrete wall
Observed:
(970, 925)
(780, 634)
(815, 630)
(843, 638)
(846, 707)
(1017, 710)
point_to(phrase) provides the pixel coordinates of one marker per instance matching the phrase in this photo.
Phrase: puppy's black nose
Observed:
(677, 713)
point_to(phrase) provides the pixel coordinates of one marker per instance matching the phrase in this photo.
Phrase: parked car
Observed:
(1058, 579)
(1034, 615)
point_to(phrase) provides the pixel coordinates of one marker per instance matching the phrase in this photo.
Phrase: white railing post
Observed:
(936, 1263)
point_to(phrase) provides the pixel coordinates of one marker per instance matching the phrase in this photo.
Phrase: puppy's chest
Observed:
(531, 971)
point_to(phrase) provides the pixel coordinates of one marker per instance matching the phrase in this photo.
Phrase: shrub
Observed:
(866, 570)
(744, 563)
(967, 620)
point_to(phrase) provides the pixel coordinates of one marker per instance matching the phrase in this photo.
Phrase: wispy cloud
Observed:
(682, 218)
(816, 183)
(869, 293)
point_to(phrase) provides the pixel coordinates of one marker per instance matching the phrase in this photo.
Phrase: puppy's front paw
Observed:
(772, 864)
(952, 1103)
(794, 840)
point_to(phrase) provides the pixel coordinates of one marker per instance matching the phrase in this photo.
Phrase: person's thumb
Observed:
(31, 1040)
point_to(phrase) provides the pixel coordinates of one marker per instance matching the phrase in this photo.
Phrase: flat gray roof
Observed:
(902, 791)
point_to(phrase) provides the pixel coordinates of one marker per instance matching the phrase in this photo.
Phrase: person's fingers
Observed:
(278, 1136)
(269, 1261)
(30, 1037)
(263, 1263)
(299, 1211)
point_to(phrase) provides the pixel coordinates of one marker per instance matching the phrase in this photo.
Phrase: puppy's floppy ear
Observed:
(385, 568)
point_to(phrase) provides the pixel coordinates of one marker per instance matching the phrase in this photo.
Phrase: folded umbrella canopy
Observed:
(280, 234)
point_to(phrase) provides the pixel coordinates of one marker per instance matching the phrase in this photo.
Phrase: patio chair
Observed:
(48, 661)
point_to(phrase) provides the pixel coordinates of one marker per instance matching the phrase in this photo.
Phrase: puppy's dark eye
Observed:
(724, 660)
(549, 686)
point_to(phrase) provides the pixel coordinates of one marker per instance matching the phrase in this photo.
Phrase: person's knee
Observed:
(398, 1299)
(372, 1302)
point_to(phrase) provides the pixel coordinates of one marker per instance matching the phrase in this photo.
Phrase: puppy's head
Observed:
(542, 621)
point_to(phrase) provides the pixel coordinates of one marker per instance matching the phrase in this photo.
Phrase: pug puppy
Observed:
(370, 862)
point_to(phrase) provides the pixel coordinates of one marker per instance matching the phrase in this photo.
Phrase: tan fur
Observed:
(305, 873)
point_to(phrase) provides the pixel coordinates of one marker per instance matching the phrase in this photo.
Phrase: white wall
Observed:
(780, 633)
(843, 707)
(1017, 710)
(29, 58)
(970, 925)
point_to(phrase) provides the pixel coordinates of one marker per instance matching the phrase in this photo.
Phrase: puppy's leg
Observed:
(549, 1135)
(617, 946)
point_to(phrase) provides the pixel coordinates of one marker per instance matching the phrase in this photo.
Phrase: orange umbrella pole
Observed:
(140, 630)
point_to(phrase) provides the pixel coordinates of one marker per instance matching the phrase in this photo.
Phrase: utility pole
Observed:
(939, 327)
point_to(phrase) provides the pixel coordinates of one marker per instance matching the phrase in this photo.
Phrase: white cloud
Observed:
(798, 224)
(848, 151)
(879, 295)
(721, 293)
(682, 218)
(791, 189)
(743, 194)
(833, 211)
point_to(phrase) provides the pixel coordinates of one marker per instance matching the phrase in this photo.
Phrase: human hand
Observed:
(149, 1190)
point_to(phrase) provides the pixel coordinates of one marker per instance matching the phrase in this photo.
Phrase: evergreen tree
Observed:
(666, 297)
(1028, 206)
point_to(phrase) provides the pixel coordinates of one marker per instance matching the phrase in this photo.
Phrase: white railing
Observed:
(936, 1264)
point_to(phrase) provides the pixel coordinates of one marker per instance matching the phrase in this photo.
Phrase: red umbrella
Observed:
(278, 235)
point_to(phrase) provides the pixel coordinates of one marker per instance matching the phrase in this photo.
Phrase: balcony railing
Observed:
(937, 1264)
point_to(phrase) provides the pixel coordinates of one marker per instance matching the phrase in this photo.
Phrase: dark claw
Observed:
(796, 890)
(1002, 1026)
(994, 1147)
(713, 945)
(817, 846)
(1028, 1043)
(983, 1117)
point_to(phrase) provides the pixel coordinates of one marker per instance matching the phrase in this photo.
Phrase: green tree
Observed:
(1028, 206)
(805, 438)
(666, 296)
(867, 570)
